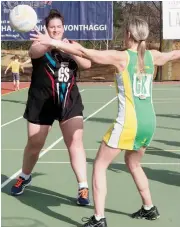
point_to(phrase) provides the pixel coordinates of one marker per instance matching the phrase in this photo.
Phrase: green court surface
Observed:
(50, 200)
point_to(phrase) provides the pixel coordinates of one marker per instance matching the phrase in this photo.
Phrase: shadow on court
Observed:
(4, 177)
(17, 222)
(13, 101)
(101, 120)
(176, 129)
(170, 143)
(111, 120)
(163, 176)
(160, 152)
(41, 199)
(169, 115)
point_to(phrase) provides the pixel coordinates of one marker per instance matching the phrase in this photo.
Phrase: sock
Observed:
(98, 217)
(83, 185)
(25, 176)
(147, 207)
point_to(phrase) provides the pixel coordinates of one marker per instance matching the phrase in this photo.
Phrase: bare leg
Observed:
(14, 83)
(72, 130)
(133, 159)
(36, 138)
(104, 157)
(17, 84)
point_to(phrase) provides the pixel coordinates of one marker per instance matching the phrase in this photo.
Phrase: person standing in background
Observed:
(15, 66)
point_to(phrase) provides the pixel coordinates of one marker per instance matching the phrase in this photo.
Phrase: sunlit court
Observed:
(51, 198)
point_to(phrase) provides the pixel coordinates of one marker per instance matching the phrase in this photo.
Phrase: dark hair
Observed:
(16, 57)
(54, 13)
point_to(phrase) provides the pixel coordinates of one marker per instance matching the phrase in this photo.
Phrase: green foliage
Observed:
(15, 45)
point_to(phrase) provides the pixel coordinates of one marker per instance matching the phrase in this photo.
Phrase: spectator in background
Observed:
(15, 66)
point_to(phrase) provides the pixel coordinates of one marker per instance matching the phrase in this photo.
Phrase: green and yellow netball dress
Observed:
(136, 121)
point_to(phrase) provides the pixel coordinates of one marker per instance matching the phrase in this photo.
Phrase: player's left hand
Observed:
(44, 39)
(65, 40)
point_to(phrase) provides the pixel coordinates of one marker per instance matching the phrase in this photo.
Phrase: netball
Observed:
(23, 18)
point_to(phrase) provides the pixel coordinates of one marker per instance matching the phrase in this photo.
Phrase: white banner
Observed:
(171, 19)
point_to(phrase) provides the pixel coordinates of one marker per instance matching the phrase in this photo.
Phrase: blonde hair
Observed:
(139, 31)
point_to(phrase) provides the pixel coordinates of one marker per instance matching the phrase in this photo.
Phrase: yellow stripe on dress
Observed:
(108, 134)
(127, 137)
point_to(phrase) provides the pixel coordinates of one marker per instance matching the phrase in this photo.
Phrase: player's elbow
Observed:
(37, 50)
(87, 64)
(161, 63)
(162, 60)
(35, 54)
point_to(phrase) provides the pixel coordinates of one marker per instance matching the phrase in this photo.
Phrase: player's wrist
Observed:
(55, 43)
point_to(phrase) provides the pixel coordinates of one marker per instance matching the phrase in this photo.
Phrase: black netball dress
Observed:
(53, 93)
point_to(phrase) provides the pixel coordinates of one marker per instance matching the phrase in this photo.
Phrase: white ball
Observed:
(23, 18)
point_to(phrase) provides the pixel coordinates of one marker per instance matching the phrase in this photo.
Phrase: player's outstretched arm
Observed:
(37, 50)
(26, 62)
(8, 67)
(107, 57)
(162, 58)
(82, 62)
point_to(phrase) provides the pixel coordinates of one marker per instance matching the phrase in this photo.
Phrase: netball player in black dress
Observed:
(54, 95)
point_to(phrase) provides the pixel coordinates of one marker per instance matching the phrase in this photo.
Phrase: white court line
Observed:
(56, 142)
(158, 89)
(159, 101)
(94, 102)
(143, 163)
(65, 149)
(100, 89)
(166, 89)
(164, 102)
(170, 102)
(9, 122)
(164, 99)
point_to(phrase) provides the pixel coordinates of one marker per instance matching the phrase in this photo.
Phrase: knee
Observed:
(99, 175)
(131, 163)
(96, 166)
(75, 141)
(99, 166)
(34, 145)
